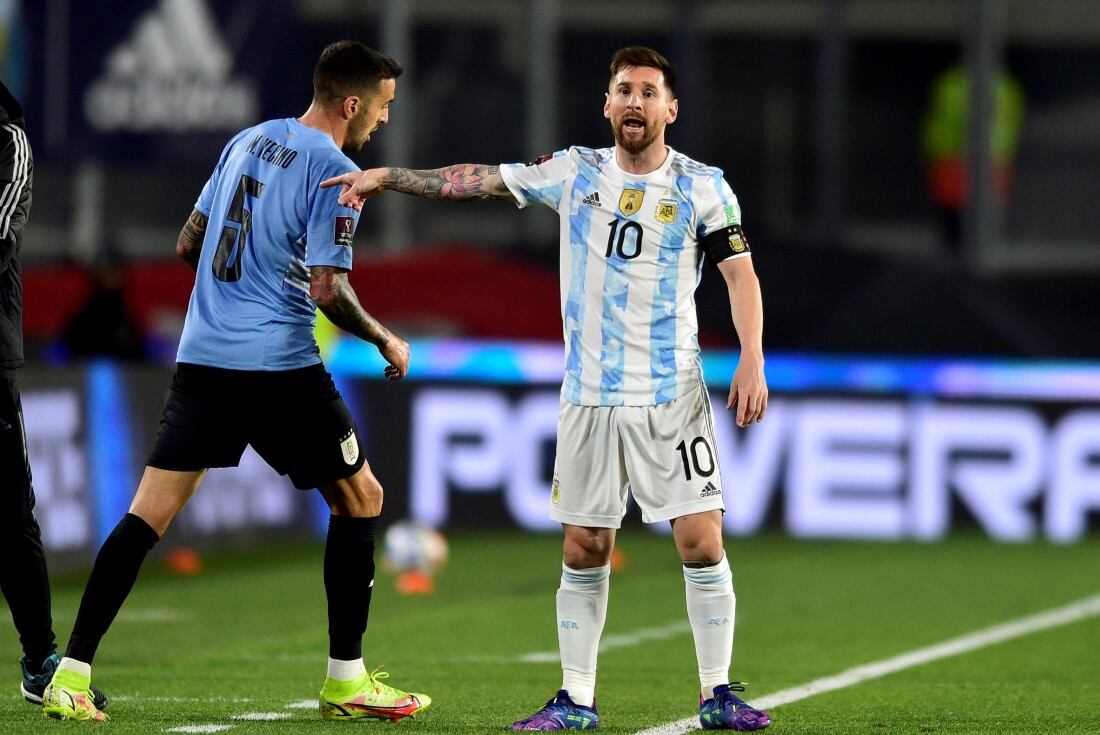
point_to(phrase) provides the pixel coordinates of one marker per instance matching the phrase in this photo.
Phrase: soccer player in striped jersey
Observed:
(637, 221)
(268, 248)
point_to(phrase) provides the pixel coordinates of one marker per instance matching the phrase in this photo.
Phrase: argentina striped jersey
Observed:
(630, 263)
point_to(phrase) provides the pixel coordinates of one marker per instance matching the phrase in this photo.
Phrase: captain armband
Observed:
(724, 244)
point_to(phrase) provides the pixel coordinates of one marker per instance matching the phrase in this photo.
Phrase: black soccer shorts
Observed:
(294, 419)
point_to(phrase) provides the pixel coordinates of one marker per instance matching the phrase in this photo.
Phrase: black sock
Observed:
(113, 576)
(349, 577)
(26, 586)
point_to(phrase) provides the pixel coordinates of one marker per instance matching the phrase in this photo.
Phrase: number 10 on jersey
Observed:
(627, 231)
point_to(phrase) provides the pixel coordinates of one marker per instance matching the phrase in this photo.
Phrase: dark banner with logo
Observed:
(137, 79)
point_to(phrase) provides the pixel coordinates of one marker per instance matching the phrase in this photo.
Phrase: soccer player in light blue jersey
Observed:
(637, 221)
(268, 247)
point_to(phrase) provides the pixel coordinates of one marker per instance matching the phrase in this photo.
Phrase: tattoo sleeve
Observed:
(459, 182)
(330, 290)
(189, 244)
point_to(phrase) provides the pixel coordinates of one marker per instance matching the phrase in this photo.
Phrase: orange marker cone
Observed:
(415, 582)
(184, 561)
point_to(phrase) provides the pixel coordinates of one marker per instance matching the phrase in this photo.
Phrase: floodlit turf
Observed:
(248, 636)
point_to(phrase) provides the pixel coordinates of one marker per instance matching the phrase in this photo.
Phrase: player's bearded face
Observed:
(638, 107)
(372, 114)
(359, 130)
(633, 133)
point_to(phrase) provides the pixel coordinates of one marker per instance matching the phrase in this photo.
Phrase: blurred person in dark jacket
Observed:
(102, 327)
(23, 576)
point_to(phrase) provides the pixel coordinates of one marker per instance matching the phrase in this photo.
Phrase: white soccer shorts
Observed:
(663, 455)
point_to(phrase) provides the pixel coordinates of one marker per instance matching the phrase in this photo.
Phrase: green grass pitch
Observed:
(248, 636)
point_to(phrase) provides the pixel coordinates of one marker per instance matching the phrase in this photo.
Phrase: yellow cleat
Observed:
(69, 697)
(367, 696)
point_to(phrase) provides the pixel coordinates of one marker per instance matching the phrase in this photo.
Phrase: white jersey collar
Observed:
(656, 173)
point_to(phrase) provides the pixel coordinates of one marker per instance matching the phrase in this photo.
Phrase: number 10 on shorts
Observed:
(697, 455)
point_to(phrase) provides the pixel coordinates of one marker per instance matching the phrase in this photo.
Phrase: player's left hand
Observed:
(357, 187)
(748, 391)
(396, 353)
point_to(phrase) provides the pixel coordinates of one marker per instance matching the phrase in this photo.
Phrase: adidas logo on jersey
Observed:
(709, 490)
(592, 200)
(173, 73)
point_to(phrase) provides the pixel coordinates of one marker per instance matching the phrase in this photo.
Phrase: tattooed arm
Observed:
(459, 182)
(189, 243)
(330, 290)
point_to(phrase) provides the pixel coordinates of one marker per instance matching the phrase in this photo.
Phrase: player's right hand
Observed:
(358, 186)
(396, 353)
(748, 391)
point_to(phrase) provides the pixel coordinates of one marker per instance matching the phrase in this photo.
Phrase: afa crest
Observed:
(630, 201)
(666, 211)
(738, 242)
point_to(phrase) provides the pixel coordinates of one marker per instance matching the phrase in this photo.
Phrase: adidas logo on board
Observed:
(172, 73)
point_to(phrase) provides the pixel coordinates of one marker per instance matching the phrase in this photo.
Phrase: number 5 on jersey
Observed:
(234, 238)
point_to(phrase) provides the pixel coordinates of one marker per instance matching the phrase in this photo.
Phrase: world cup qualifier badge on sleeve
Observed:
(344, 231)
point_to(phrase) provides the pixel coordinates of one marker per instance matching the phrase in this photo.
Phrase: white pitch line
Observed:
(262, 716)
(203, 700)
(1071, 613)
(152, 615)
(303, 704)
(621, 640)
(200, 728)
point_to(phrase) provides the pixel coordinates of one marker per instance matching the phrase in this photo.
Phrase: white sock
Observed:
(71, 664)
(711, 605)
(582, 609)
(346, 670)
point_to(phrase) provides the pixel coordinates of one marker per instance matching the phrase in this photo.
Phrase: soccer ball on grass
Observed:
(411, 546)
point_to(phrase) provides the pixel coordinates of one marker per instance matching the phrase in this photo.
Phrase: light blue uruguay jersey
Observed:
(630, 263)
(269, 221)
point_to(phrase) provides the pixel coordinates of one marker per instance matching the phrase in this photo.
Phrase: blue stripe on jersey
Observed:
(683, 164)
(580, 223)
(548, 195)
(662, 346)
(717, 181)
(616, 287)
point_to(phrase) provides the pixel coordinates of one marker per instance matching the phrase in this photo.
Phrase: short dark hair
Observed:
(349, 68)
(632, 56)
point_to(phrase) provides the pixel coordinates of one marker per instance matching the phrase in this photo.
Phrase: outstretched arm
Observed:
(458, 182)
(330, 290)
(748, 390)
(189, 243)
(461, 181)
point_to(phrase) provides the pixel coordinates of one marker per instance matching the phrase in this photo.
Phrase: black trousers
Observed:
(23, 577)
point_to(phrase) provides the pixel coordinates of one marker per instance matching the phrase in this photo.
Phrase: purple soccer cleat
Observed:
(727, 711)
(561, 713)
